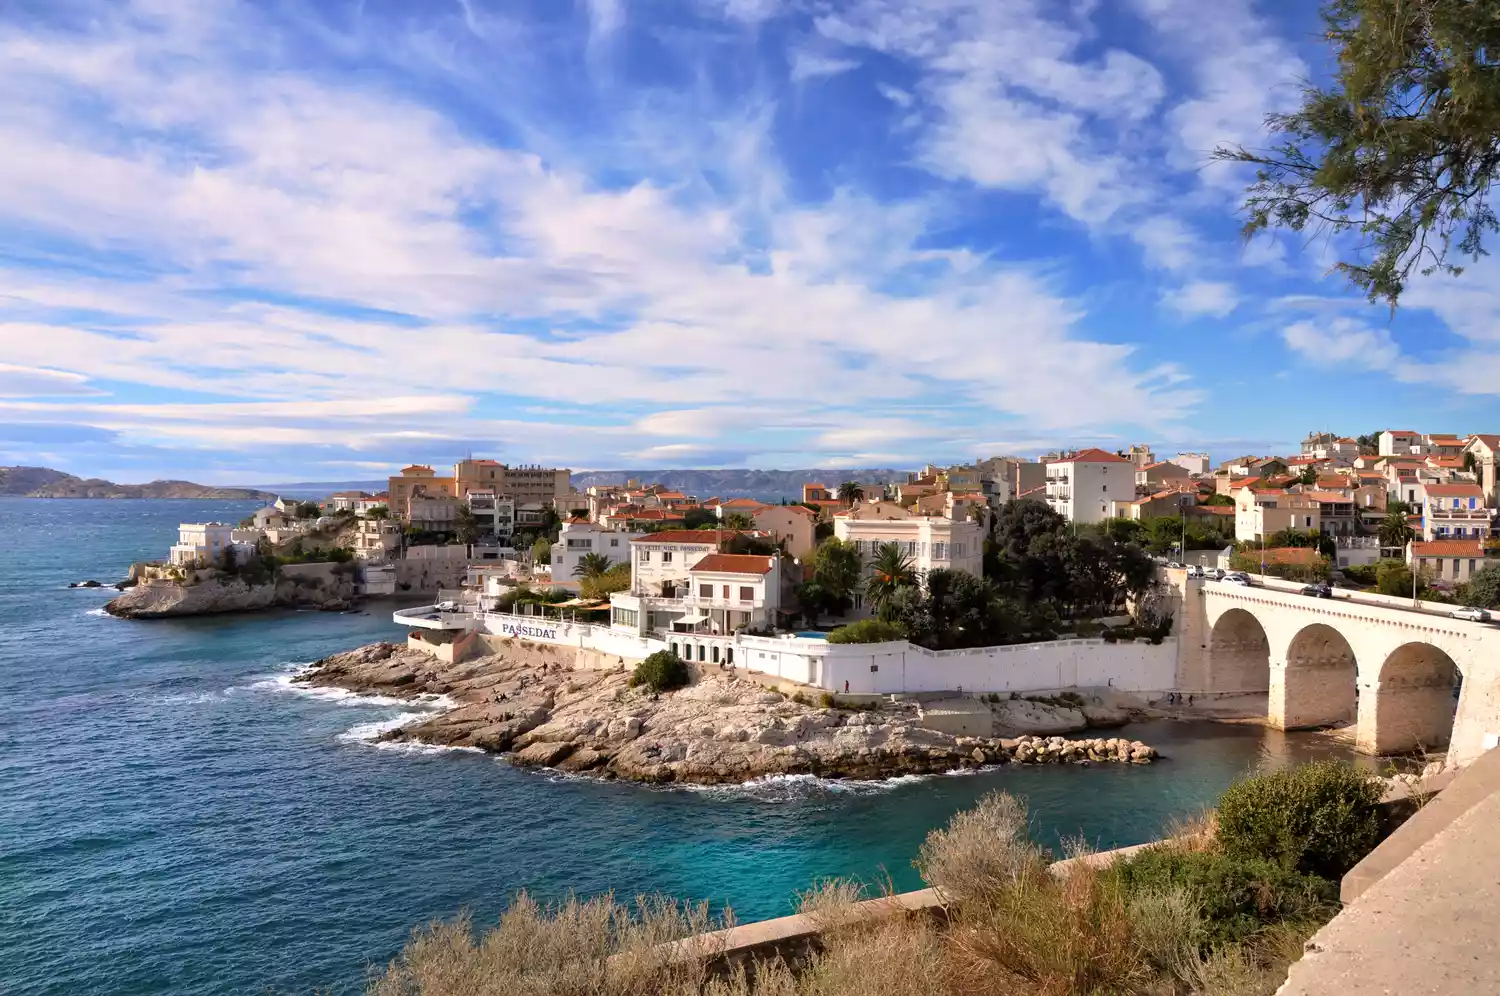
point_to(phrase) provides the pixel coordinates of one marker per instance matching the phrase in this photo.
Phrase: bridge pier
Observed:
(1311, 693)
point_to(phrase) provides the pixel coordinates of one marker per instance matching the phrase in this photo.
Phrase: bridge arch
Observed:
(1319, 681)
(1412, 702)
(1239, 653)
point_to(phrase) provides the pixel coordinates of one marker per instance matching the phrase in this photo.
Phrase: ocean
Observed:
(176, 818)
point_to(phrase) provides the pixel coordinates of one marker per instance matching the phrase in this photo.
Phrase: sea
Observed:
(177, 817)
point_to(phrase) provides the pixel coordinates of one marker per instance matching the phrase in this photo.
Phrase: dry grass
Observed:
(1014, 928)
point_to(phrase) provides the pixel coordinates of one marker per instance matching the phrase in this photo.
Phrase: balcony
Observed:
(718, 602)
(1059, 494)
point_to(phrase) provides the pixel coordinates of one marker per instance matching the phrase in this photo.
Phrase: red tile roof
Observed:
(743, 503)
(705, 537)
(733, 563)
(1093, 455)
(1448, 548)
(1454, 491)
(1288, 555)
(1493, 442)
(1327, 497)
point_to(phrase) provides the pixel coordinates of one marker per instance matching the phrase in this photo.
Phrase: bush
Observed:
(1236, 896)
(868, 631)
(981, 852)
(1317, 818)
(661, 672)
(826, 700)
(1360, 574)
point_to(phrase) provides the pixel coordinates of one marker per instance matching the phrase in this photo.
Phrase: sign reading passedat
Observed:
(527, 632)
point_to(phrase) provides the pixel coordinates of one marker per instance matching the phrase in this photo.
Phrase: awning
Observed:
(691, 619)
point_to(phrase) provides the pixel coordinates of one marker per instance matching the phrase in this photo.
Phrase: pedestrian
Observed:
(1190, 700)
(846, 686)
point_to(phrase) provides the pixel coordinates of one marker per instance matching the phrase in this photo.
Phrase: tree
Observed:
(1219, 500)
(1401, 147)
(890, 571)
(1368, 444)
(1394, 577)
(1397, 505)
(379, 512)
(1395, 531)
(699, 518)
(541, 551)
(308, 510)
(1309, 476)
(836, 566)
(1483, 589)
(738, 520)
(591, 565)
(661, 672)
(466, 527)
(603, 585)
(851, 492)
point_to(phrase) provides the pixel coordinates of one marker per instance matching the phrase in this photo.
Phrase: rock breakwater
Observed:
(529, 701)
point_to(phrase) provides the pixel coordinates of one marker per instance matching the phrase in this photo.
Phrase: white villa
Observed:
(1084, 486)
(680, 582)
(580, 538)
(201, 543)
(932, 542)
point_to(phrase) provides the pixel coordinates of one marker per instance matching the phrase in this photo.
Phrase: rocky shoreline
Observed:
(530, 702)
(158, 600)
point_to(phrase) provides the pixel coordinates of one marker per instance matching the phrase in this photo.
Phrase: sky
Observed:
(321, 239)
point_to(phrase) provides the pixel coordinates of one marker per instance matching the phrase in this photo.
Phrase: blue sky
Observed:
(249, 242)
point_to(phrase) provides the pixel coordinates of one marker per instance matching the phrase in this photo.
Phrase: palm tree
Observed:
(738, 520)
(591, 565)
(890, 571)
(1395, 531)
(851, 492)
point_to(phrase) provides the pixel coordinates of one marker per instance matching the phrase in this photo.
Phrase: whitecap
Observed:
(342, 696)
(96, 612)
(373, 730)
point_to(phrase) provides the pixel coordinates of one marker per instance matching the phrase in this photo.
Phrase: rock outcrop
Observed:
(161, 600)
(529, 701)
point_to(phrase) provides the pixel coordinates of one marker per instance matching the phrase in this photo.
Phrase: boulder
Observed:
(542, 755)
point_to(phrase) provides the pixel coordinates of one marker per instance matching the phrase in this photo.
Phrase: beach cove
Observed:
(189, 821)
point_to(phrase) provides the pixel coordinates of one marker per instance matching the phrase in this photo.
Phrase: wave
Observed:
(286, 682)
(783, 788)
(97, 612)
(373, 730)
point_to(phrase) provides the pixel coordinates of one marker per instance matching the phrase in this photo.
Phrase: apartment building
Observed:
(930, 542)
(526, 485)
(1446, 562)
(794, 527)
(1400, 442)
(578, 539)
(1193, 463)
(1154, 477)
(201, 543)
(1261, 513)
(494, 514)
(1485, 449)
(1455, 511)
(1084, 487)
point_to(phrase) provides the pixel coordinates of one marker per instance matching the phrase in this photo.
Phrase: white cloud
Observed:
(1202, 298)
(41, 382)
(809, 65)
(1168, 243)
(901, 98)
(1342, 342)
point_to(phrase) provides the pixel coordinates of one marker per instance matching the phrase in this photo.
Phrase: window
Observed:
(747, 593)
(676, 652)
(645, 556)
(666, 557)
(1471, 568)
(716, 655)
(614, 542)
(726, 592)
(700, 651)
(1472, 501)
(705, 591)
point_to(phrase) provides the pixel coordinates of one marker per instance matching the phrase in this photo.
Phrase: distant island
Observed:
(44, 482)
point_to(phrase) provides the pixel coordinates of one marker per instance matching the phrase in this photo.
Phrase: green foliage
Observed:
(699, 518)
(541, 551)
(1318, 818)
(759, 545)
(307, 510)
(1483, 588)
(1249, 561)
(738, 520)
(868, 631)
(379, 513)
(1394, 529)
(822, 532)
(466, 526)
(661, 672)
(1394, 577)
(955, 609)
(1401, 146)
(826, 700)
(836, 566)
(1360, 574)
(617, 578)
(1219, 500)
(890, 571)
(1309, 476)
(850, 492)
(1036, 560)
(591, 565)
(1237, 896)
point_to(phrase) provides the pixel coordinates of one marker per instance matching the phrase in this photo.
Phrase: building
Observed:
(269, 517)
(930, 542)
(659, 562)
(1399, 442)
(345, 501)
(1337, 513)
(201, 544)
(1193, 463)
(1455, 511)
(1263, 513)
(793, 527)
(1163, 503)
(376, 540)
(367, 505)
(816, 493)
(417, 479)
(1140, 454)
(730, 592)
(877, 509)
(1084, 487)
(1485, 449)
(579, 538)
(737, 506)
(494, 515)
(1154, 477)
(1443, 444)
(526, 485)
(1446, 563)
(434, 513)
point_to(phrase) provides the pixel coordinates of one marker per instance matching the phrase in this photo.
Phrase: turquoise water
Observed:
(173, 818)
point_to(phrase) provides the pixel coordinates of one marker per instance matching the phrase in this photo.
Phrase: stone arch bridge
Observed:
(1390, 669)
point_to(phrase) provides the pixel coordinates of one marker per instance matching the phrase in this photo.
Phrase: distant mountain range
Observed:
(766, 485)
(44, 482)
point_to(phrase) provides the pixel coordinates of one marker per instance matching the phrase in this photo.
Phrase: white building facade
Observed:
(1084, 486)
(201, 543)
(579, 539)
(931, 542)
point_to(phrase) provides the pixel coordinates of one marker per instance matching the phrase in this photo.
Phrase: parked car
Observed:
(1174, 565)
(1195, 572)
(1472, 614)
(1236, 577)
(1218, 573)
(1318, 591)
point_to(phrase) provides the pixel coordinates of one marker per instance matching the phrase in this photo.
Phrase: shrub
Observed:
(980, 852)
(1317, 818)
(1237, 896)
(868, 631)
(826, 700)
(660, 672)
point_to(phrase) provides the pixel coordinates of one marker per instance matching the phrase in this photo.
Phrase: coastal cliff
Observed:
(528, 700)
(162, 599)
(44, 482)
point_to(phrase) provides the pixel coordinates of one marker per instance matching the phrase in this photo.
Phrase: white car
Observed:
(1195, 572)
(1236, 577)
(1472, 614)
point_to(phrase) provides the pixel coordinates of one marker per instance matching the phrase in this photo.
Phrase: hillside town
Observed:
(1340, 507)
